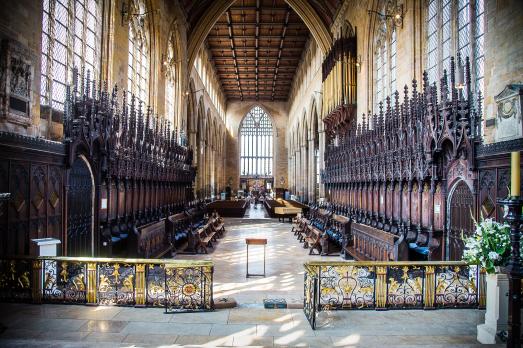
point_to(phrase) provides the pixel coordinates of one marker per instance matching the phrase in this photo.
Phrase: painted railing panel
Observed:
(390, 285)
(177, 285)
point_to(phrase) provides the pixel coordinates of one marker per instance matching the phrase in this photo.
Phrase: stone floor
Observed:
(23, 325)
(84, 326)
(284, 261)
(256, 212)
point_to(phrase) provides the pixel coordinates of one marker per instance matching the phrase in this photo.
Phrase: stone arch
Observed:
(192, 111)
(173, 52)
(305, 129)
(303, 8)
(200, 126)
(208, 126)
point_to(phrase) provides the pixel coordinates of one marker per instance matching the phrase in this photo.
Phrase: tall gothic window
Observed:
(455, 26)
(384, 64)
(256, 143)
(170, 88)
(138, 69)
(70, 38)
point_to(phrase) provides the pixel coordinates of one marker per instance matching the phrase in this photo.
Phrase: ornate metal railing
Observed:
(177, 285)
(391, 285)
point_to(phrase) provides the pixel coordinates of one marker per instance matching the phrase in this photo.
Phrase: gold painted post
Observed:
(339, 85)
(37, 285)
(343, 73)
(91, 283)
(429, 287)
(482, 285)
(381, 287)
(139, 288)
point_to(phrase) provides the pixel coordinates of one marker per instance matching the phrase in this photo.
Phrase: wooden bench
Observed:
(372, 244)
(313, 240)
(204, 238)
(178, 226)
(218, 225)
(286, 212)
(300, 228)
(228, 208)
(305, 208)
(271, 204)
(153, 241)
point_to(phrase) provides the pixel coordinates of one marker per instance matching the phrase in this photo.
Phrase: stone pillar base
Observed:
(496, 315)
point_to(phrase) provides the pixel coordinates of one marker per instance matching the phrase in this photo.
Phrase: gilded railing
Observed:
(177, 285)
(391, 285)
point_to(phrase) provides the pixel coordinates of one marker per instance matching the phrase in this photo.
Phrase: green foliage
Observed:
(489, 246)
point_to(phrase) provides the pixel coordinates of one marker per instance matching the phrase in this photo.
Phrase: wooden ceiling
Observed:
(256, 45)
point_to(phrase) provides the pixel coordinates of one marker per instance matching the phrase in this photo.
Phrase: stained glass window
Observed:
(70, 38)
(256, 143)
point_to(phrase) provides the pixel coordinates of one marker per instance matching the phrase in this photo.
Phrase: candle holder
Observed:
(514, 269)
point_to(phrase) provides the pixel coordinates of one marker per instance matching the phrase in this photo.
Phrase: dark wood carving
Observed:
(140, 169)
(31, 170)
(421, 149)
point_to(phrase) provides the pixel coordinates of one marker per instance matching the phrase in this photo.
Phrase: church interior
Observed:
(261, 173)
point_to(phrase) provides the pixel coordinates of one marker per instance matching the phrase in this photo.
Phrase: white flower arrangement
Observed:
(489, 246)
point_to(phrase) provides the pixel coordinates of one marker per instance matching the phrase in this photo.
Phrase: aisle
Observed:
(284, 262)
(258, 212)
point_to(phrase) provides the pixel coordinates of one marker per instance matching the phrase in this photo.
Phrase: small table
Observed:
(255, 241)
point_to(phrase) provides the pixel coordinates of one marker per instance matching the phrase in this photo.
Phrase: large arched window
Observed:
(455, 26)
(256, 143)
(70, 38)
(384, 63)
(170, 87)
(138, 69)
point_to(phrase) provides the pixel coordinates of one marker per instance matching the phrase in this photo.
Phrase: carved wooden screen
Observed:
(460, 219)
(79, 210)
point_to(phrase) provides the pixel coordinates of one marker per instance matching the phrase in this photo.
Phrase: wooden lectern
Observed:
(255, 241)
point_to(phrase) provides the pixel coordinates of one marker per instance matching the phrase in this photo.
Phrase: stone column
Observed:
(207, 181)
(297, 184)
(289, 171)
(311, 171)
(321, 138)
(304, 172)
(202, 167)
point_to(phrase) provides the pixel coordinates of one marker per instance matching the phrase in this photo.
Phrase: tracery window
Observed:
(170, 88)
(138, 69)
(455, 26)
(70, 38)
(256, 143)
(384, 64)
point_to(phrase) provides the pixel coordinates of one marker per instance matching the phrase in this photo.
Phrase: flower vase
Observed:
(496, 315)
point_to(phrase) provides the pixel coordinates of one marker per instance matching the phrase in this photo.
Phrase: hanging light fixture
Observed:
(394, 13)
(126, 15)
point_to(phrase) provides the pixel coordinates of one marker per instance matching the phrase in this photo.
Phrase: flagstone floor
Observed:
(24, 325)
(285, 257)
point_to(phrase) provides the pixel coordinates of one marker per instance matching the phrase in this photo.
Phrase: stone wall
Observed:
(503, 53)
(21, 21)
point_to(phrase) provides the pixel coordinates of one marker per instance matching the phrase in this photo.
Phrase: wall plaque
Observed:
(16, 81)
(508, 120)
